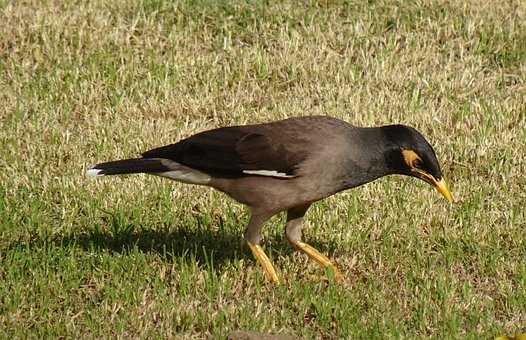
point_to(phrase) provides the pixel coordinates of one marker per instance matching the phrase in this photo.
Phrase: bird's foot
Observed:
(262, 258)
(320, 259)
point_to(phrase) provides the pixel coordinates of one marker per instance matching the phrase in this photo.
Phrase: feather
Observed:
(236, 151)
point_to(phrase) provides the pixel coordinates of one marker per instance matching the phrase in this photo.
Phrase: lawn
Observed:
(140, 256)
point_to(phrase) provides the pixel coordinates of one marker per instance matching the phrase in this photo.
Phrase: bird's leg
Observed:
(262, 258)
(253, 238)
(293, 234)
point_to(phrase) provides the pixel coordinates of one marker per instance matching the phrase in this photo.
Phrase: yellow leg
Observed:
(262, 258)
(318, 257)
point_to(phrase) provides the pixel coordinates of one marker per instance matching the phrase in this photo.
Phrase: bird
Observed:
(286, 166)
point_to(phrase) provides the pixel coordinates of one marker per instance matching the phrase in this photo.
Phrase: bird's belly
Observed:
(269, 194)
(272, 194)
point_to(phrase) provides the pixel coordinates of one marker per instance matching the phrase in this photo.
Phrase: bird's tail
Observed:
(128, 166)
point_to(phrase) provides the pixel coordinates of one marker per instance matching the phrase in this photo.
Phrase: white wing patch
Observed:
(268, 173)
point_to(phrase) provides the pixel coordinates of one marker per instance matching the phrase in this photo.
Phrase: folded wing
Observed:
(237, 151)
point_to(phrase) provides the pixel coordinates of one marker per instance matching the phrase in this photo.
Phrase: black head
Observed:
(409, 153)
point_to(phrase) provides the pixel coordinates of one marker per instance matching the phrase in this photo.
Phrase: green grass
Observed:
(138, 256)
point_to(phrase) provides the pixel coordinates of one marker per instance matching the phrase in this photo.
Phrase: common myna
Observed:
(286, 166)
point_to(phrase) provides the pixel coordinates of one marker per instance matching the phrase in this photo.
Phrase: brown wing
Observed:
(232, 150)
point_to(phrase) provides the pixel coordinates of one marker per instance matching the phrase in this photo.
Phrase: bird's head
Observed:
(409, 153)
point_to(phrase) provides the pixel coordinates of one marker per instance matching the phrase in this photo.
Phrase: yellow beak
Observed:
(439, 185)
(442, 188)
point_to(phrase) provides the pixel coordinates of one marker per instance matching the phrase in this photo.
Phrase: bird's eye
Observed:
(411, 159)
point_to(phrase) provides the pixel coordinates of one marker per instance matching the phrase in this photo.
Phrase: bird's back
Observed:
(278, 146)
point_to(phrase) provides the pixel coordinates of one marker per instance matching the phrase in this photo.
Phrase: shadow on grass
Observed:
(204, 244)
(206, 247)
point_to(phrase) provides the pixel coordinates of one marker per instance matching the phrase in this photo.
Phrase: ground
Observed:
(140, 256)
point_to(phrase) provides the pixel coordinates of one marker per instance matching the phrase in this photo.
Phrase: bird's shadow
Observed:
(204, 246)
(175, 244)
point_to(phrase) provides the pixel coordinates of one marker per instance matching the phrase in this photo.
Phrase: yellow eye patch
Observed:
(410, 158)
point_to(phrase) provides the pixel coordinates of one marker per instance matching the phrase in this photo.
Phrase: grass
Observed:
(139, 256)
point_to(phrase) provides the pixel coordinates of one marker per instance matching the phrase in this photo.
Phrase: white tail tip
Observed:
(93, 173)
